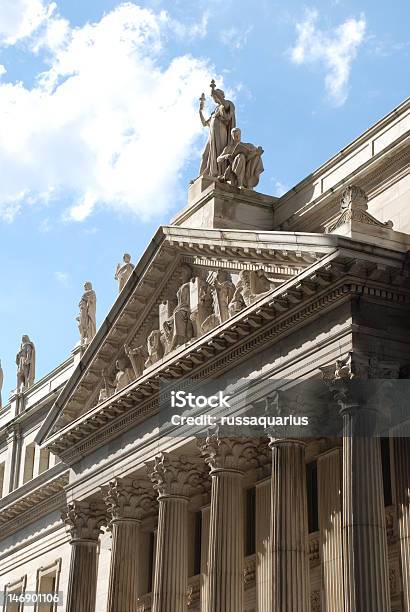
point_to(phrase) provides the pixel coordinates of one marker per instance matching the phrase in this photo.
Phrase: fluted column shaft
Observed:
(84, 521)
(204, 558)
(263, 547)
(175, 479)
(125, 499)
(171, 567)
(124, 578)
(289, 532)
(226, 542)
(364, 526)
(402, 466)
(82, 584)
(330, 521)
(228, 459)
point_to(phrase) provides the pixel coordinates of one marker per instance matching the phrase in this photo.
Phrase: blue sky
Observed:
(99, 133)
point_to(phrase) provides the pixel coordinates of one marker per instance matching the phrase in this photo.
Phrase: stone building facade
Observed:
(122, 512)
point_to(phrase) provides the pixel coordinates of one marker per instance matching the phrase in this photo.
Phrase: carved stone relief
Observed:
(199, 301)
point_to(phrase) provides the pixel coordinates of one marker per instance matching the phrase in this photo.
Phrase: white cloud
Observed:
(235, 38)
(62, 278)
(106, 124)
(335, 49)
(20, 18)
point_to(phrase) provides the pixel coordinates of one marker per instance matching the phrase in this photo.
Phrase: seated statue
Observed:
(244, 162)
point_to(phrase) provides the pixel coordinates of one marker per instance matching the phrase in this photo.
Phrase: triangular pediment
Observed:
(188, 284)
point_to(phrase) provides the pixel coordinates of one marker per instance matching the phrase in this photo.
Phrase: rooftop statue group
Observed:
(225, 157)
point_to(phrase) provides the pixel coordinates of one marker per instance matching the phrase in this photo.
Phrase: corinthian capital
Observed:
(180, 476)
(84, 519)
(127, 498)
(239, 454)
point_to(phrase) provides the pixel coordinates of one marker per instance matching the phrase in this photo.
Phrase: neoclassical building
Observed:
(120, 509)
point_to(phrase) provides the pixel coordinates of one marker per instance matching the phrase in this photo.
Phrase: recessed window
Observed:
(28, 462)
(44, 460)
(2, 467)
(13, 590)
(47, 585)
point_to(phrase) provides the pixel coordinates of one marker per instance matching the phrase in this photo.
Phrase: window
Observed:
(28, 463)
(250, 530)
(386, 471)
(2, 466)
(312, 496)
(14, 588)
(47, 582)
(44, 460)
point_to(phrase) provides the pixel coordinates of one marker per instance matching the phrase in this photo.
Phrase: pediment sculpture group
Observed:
(202, 301)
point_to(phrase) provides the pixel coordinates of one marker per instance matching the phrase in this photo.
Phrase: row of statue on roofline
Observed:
(87, 326)
(202, 301)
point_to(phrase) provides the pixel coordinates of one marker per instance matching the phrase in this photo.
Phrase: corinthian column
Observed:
(227, 459)
(84, 521)
(402, 466)
(289, 532)
(175, 479)
(330, 521)
(126, 500)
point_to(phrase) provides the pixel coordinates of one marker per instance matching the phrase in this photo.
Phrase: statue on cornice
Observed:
(220, 124)
(26, 364)
(87, 317)
(244, 162)
(123, 271)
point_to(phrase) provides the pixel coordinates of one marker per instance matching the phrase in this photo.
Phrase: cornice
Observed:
(318, 289)
(30, 506)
